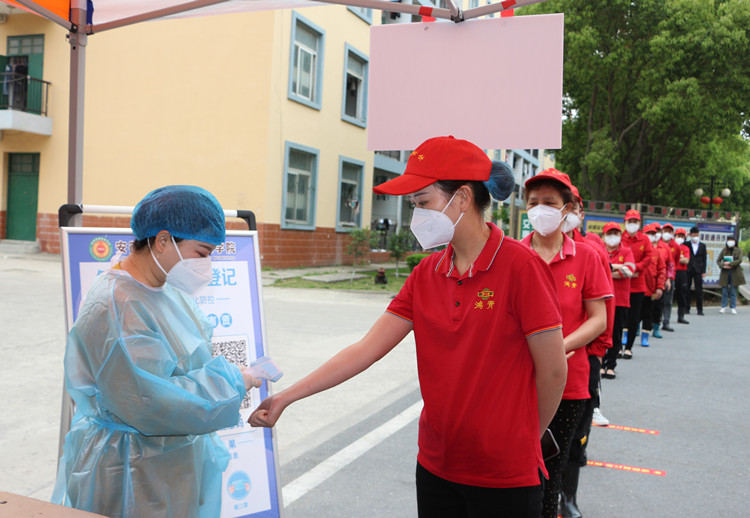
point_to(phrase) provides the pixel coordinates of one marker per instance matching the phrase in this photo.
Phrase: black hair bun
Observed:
(501, 182)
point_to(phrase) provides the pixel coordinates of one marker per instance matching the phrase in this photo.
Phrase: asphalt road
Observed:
(677, 445)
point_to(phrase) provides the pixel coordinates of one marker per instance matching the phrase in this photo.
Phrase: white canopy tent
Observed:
(111, 14)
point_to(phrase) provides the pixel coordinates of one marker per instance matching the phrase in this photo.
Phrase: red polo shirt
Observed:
(642, 250)
(656, 274)
(578, 278)
(600, 344)
(678, 252)
(622, 255)
(480, 422)
(667, 254)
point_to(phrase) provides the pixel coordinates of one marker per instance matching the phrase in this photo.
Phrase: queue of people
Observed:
(527, 329)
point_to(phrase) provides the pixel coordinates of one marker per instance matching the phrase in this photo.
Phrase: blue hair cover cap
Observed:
(185, 211)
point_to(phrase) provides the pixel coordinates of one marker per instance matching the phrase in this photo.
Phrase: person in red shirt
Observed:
(487, 327)
(667, 240)
(582, 287)
(681, 289)
(622, 263)
(654, 276)
(572, 226)
(658, 305)
(642, 250)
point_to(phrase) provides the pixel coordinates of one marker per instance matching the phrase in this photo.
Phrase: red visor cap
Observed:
(439, 158)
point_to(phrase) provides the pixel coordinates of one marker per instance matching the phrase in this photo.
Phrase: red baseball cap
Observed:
(680, 231)
(656, 225)
(611, 226)
(667, 225)
(552, 174)
(439, 158)
(651, 227)
(632, 214)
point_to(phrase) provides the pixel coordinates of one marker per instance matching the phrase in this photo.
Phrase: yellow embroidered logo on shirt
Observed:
(570, 281)
(485, 303)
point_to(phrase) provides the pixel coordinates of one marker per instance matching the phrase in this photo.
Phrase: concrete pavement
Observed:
(691, 387)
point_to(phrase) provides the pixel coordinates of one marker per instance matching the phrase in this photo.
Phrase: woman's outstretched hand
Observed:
(267, 413)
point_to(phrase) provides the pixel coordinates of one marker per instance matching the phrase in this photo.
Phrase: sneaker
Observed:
(734, 311)
(599, 419)
(723, 310)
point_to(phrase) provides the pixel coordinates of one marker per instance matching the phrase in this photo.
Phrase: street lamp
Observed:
(710, 200)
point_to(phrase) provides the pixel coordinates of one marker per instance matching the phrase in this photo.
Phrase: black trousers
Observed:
(647, 313)
(681, 293)
(440, 498)
(563, 427)
(666, 303)
(582, 434)
(610, 359)
(695, 279)
(634, 317)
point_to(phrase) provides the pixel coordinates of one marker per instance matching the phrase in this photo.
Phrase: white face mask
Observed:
(658, 236)
(667, 236)
(189, 275)
(433, 228)
(679, 240)
(612, 240)
(545, 219)
(731, 243)
(571, 221)
(652, 238)
(695, 239)
(632, 228)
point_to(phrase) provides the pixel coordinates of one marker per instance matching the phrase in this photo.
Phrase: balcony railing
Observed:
(24, 93)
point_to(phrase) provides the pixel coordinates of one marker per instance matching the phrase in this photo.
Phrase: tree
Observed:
(398, 244)
(656, 96)
(361, 241)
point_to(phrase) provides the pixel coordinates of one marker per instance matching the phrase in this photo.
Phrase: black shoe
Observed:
(700, 313)
(682, 321)
(665, 327)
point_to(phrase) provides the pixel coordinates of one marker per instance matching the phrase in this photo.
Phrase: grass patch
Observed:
(365, 284)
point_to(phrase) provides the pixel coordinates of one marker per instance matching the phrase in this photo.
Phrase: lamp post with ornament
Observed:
(711, 200)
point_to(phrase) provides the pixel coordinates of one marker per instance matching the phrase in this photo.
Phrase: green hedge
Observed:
(413, 260)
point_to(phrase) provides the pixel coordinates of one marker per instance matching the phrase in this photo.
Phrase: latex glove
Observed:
(250, 380)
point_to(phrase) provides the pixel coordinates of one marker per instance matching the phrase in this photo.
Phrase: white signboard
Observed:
(233, 304)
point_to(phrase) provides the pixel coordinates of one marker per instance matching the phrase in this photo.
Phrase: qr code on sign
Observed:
(234, 349)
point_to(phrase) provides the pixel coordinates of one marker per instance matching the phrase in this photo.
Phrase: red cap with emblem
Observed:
(611, 226)
(680, 231)
(439, 158)
(632, 214)
(667, 225)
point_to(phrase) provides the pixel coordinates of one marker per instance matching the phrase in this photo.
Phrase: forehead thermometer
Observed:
(265, 368)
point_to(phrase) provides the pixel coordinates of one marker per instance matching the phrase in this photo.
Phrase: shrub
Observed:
(413, 260)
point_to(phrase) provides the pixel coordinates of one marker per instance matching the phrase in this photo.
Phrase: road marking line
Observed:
(629, 429)
(645, 471)
(326, 469)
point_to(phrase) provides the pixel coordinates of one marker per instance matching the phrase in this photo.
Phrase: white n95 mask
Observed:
(571, 221)
(189, 275)
(545, 219)
(632, 228)
(667, 236)
(433, 228)
(612, 240)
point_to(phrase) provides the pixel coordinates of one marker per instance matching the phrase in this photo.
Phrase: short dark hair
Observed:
(695, 230)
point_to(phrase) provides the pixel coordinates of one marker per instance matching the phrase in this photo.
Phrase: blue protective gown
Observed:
(148, 398)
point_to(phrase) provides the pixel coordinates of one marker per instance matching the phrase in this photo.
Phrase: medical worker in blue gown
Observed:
(148, 395)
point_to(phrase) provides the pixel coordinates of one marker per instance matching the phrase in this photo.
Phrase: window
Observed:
(355, 88)
(300, 181)
(25, 45)
(350, 193)
(362, 12)
(306, 62)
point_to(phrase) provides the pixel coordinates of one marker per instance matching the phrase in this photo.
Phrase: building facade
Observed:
(267, 110)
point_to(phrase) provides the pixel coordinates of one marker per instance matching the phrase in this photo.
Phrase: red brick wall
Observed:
(278, 248)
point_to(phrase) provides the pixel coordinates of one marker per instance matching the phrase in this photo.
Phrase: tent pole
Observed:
(397, 7)
(77, 39)
(476, 12)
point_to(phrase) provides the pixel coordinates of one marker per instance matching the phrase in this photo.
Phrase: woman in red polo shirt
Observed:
(487, 327)
(582, 288)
